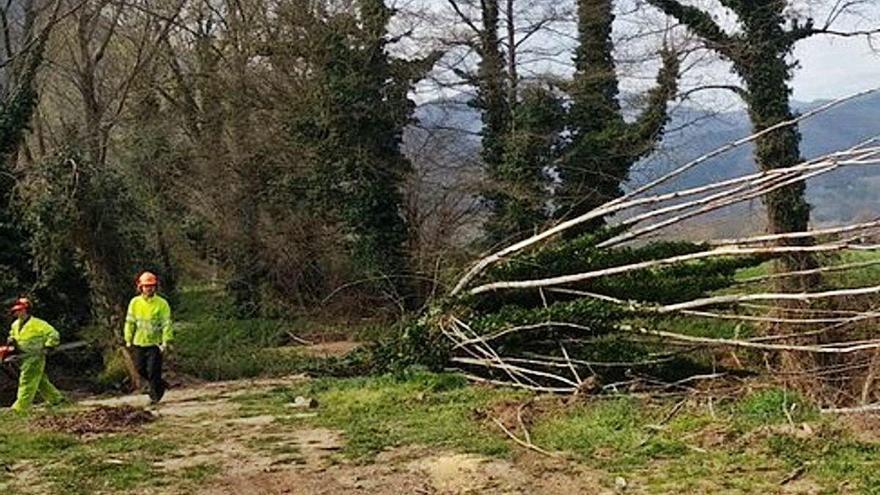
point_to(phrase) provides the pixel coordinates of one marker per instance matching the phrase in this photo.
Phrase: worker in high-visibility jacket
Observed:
(148, 332)
(31, 337)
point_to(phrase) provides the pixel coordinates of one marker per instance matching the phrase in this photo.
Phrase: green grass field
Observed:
(747, 445)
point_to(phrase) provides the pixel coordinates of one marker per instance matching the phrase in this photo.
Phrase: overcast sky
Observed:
(830, 66)
(833, 67)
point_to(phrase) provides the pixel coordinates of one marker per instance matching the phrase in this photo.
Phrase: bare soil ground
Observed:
(258, 455)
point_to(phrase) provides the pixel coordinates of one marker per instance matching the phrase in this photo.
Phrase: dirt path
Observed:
(260, 455)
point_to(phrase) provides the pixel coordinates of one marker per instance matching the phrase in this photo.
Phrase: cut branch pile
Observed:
(540, 313)
(102, 419)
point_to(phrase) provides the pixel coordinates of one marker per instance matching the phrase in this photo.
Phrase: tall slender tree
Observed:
(603, 146)
(355, 129)
(519, 187)
(515, 192)
(759, 54)
(22, 56)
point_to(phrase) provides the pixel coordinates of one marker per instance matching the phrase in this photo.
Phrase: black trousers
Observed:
(148, 361)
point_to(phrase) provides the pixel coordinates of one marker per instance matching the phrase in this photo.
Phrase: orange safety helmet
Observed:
(20, 304)
(147, 278)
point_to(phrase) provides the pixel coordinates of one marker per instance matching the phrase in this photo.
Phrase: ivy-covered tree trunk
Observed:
(767, 77)
(758, 52)
(521, 182)
(353, 131)
(603, 146)
(600, 148)
(497, 100)
(492, 88)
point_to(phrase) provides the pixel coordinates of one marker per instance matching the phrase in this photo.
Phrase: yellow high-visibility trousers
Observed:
(32, 380)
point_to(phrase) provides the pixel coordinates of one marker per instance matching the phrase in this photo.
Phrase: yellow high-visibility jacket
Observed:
(35, 336)
(148, 322)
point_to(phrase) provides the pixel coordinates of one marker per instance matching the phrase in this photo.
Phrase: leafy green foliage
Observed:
(75, 212)
(579, 255)
(408, 344)
(16, 109)
(520, 184)
(599, 316)
(352, 131)
(536, 321)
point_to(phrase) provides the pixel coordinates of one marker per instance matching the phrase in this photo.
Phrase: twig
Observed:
(502, 365)
(522, 424)
(852, 410)
(528, 445)
(784, 296)
(533, 388)
(798, 471)
(796, 235)
(520, 328)
(758, 345)
(869, 380)
(298, 339)
(574, 372)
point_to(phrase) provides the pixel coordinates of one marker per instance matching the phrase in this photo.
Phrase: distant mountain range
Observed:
(844, 195)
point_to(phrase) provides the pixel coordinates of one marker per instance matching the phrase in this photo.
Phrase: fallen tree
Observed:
(541, 313)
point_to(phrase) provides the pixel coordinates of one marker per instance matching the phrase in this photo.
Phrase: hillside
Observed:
(701, 132)
(836, 129)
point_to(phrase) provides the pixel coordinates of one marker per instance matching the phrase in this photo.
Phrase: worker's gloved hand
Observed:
(163, 348)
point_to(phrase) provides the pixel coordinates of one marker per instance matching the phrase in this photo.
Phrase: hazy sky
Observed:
(833, 67)
(830, 66)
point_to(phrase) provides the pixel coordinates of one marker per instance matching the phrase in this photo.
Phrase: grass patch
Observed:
(612, 434)
(277, 445)
(382, 412)
(705, 327)
(225, 349)
(831, 458)
(87, 471)
(771, 407)
(213, 344)
(858, 277)
(855, 277)
(745, 446)
(199, 473)
(72, 465)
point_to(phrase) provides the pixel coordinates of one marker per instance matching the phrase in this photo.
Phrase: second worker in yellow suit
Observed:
(148, 332)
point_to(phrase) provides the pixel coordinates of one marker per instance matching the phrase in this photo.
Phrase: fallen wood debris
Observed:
(534, 313)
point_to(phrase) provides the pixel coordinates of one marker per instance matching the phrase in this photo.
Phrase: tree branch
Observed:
(463, 17)
(647, 130)
(698, 21)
